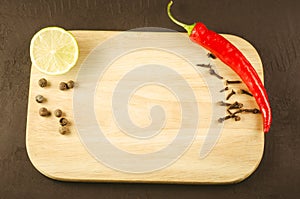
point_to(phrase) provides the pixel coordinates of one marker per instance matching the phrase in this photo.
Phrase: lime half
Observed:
(53, 51)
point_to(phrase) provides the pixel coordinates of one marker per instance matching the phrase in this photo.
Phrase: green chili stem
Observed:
(188, 28)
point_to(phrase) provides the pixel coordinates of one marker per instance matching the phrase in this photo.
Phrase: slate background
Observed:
(272, 26)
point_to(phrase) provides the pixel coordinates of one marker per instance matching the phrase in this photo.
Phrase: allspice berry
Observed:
(43, 82)
(39, 98)
(58, 113)
(70, 84)
(63, 86)
(63, 121)
(44, 112)
(63, 130)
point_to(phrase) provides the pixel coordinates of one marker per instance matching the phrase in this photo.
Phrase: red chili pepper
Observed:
(231, 56)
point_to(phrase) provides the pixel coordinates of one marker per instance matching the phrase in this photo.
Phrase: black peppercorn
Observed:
(63, 86)
(44, 112)
(39, 98)
(63, 121)
(63, 130)
(43, 82)
(70, 84)
(58, 113)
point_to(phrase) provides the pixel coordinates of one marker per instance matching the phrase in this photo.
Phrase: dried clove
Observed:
(238, 111)
(224, 89)
(236, 105)
(233, 82)
(235, 117)
(228, 111)
(205, 65)
(221, 103)
(254, 111)
(222, 119)
(213, 72)
(230, 94)
(242, 91)
(210, 55)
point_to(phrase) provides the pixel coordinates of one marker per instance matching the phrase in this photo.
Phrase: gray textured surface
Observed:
(273, 27)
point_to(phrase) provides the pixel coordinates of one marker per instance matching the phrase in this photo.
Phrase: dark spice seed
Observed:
(58, 113)
(43, 82)
(39, 98)
(63, 86)
(70, 84)
(44, 112)
(63, 121)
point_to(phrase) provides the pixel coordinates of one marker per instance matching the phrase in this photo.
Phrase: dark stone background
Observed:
(272, 26)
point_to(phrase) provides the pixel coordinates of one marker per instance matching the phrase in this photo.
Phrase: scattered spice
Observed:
(43, 82)
(205, 65)
(39, 98)
(233, 82)
(242, 91)
(230, 94)
(70, 84)
(44, 112)
(254, 111)
(236, 105)
(221, 103)
(232, 57)
(63, 130)
(235, 117)
(58, 113)
(213, 72)
(210, 55)
(63, 121)
(222, 119)
(224, 89)
(238, 111)
(63, 86)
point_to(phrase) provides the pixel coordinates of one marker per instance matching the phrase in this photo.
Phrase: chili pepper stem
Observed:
(188, 28)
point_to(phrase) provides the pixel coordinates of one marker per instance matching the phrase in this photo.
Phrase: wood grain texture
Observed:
(63, 157)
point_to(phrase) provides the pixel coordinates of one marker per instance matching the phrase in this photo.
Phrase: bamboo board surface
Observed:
(235, 155)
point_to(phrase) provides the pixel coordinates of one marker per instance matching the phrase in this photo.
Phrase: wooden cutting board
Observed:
(235, 150)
